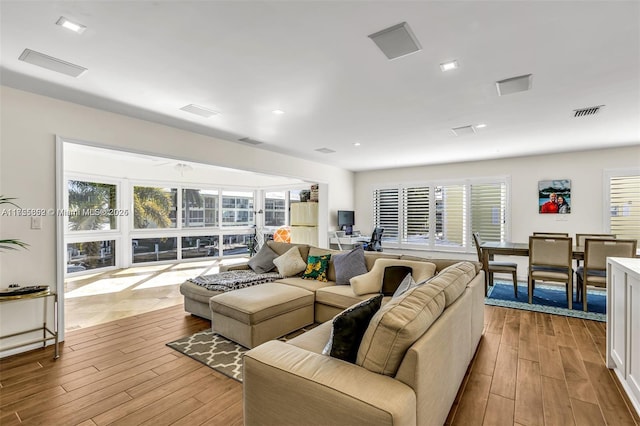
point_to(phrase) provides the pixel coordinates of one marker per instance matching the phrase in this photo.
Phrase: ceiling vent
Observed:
(396, 41)
(51, 63)
(325, 150)
(583, 112)
(464, 130)
(251, 141)
(198, 110)
(511, 85)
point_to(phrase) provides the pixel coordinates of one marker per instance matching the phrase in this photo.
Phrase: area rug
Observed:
(218, 352)
(549, 299)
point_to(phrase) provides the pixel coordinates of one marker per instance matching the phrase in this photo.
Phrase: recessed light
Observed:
(70, 25)
(356, 144)
(448, 66)
(278, 111)
(198, 110)
(480, 126)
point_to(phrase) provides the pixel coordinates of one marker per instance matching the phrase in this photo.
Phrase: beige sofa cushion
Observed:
(290, 263)
(371, 282)
(310, 285)
(282, 248)
(340, 296)
(397, 325)
(453, 280)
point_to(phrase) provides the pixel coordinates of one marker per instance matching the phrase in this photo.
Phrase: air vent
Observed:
(325, 150)
(583, 112)
(514, 84)
(396, 41)
(251, 141)
(464, 130)
(51, 63)
(198, 110)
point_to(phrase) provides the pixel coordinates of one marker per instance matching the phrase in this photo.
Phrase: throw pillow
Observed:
(262, 262)
(349, 327)
(407, 284)
(316, 268)
(349, 265)
(393, 276)
(290, 263)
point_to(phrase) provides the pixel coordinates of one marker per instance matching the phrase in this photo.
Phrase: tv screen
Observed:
(346, 219)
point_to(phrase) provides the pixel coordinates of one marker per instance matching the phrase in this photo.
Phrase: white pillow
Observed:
(290, 263)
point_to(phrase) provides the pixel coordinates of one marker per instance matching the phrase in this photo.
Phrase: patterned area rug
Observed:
(218, 352)
(548, 299)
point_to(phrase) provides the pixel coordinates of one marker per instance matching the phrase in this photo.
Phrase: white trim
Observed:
(61, 251)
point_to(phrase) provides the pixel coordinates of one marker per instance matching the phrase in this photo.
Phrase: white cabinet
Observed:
(304, 223)
(304, 214)
(623, 324)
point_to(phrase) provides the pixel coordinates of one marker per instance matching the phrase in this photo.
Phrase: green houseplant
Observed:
(10, 244)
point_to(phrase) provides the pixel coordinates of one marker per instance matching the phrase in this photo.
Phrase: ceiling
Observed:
(314, 61)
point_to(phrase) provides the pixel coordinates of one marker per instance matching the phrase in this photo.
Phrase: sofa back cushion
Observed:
(281, 248)
(453, 280)
(370, 257)
(440, 263)
(397, 325)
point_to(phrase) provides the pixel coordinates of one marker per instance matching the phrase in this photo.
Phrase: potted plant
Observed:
(10, 244)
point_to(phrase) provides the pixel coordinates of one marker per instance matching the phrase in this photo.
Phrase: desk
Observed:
(348, 241)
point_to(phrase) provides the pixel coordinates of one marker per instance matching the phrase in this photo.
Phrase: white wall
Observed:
(585, 169)
(29, 124)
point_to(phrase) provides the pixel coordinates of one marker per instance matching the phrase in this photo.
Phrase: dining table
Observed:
(507, 248)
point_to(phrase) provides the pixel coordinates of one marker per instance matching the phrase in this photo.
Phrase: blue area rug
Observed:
(548, 299)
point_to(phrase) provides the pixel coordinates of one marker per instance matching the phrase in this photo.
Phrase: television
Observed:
(346, 220)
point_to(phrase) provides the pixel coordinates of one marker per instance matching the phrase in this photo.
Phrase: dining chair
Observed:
(499, 267)
(551, 234)
(550, 260)
(594, 271)
(581, 237)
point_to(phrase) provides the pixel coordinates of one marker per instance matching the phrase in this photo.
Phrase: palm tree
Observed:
(90, 196)
(151, 205)
(10, 244)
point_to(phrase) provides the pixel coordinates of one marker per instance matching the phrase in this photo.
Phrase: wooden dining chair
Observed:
(581, 237)
(499, 267)
(594, 271)
(551, 234)
(550, 260)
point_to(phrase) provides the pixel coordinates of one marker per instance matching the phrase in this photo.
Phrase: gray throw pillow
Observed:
(349, 265)
(348, 328)
(262, 262)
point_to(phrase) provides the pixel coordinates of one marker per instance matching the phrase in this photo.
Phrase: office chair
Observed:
(376, 240)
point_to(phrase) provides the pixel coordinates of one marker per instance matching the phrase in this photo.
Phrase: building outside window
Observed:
(237, 208)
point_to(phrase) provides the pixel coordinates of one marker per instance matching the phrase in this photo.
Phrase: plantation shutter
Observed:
(415, 215)
(625, 207)
(488, 210)
(450, 215)
(385, 212)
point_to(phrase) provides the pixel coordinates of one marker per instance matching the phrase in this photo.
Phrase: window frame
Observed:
(432, 244)
(606, 184)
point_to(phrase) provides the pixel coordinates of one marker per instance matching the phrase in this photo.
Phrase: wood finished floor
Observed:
(530, 369)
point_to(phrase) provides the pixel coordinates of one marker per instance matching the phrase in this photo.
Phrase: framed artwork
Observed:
(554, 196)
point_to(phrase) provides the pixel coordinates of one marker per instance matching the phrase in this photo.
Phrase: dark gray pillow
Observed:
(407, 284)
(262, 262)
(393, 276)
(349, 265)
(349, 327)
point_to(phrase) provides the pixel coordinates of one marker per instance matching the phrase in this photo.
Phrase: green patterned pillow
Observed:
(317, 267)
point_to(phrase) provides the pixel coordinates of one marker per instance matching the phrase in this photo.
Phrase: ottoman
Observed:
(253, 315)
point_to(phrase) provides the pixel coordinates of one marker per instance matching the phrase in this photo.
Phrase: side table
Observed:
(47, 333)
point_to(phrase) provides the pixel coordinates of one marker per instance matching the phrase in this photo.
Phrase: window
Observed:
(275, 204)
(87, 203)
(154, 207)
(624, 206)
(90, 255)
(236, 244)
(199, 208)
(237, 208)
(199, 246)
(154, 249)
(441, 216)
